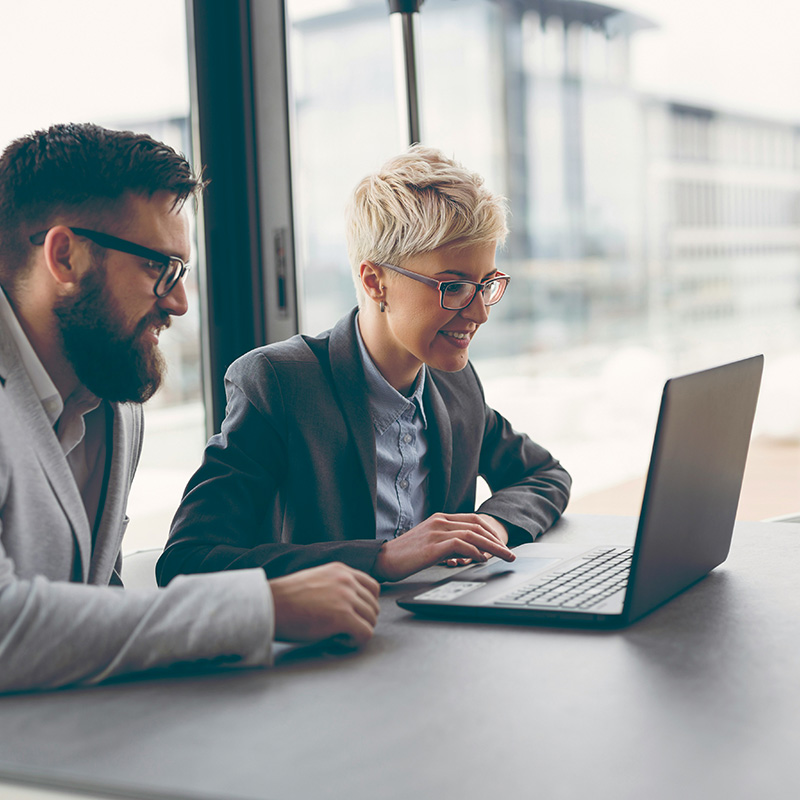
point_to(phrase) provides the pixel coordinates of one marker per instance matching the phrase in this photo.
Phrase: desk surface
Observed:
(699, 699)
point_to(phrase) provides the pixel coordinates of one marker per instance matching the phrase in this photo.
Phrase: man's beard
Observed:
(110, 362)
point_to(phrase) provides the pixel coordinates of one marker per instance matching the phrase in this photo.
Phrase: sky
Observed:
(739, 55)
(114, 61)
(90, 60)
(736, 55)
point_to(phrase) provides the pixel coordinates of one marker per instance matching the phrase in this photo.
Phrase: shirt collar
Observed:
(43, 385)
(386, 404)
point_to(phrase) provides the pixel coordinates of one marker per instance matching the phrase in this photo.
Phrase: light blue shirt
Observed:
(401, 445)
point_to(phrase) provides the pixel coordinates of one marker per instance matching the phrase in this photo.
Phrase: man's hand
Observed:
(322, 602)
(439, 538)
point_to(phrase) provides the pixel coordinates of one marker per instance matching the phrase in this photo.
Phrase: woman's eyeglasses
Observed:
(457, 295)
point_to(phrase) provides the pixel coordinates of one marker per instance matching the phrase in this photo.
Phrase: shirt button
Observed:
(404, 484)
(407, 438)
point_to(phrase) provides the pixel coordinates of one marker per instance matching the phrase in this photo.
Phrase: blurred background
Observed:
(650, 152)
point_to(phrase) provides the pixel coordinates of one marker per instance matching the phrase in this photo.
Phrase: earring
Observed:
(383, 307)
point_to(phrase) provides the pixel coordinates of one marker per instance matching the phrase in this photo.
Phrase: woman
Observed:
(364, 444)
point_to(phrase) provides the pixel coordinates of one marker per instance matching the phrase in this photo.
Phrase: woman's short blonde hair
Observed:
(417, 202)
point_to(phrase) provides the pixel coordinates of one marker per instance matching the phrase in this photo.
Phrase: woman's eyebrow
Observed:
(466, 277)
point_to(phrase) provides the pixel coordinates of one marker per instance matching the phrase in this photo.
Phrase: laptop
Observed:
(684, 531)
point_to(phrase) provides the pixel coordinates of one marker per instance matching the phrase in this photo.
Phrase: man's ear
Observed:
(63, 256)
(373, 281)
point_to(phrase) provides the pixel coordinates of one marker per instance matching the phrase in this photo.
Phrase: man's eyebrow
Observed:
(169, 252)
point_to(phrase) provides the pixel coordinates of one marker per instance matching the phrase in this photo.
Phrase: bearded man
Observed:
(94, 246)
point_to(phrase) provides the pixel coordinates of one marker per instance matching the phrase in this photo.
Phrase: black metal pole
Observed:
(403, 15)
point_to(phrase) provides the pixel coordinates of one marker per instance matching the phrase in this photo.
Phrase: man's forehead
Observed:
(155, 221)
(158, 205)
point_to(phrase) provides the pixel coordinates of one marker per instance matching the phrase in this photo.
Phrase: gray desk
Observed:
(699, 699)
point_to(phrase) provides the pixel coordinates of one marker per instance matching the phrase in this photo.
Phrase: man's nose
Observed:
(176, 302)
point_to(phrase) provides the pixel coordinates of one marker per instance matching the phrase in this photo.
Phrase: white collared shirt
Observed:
(79, 423)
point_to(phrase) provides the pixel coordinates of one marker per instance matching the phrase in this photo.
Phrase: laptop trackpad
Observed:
(501, 569)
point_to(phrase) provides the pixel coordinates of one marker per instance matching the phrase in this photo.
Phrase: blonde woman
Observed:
(364, 444)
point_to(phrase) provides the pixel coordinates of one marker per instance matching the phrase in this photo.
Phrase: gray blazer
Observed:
(290, 481)
(55, 632)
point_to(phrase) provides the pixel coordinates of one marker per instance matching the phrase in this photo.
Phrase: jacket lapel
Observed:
(350, 383)
(121, 437)
(440, 446)
(46, 446)
(349, 380)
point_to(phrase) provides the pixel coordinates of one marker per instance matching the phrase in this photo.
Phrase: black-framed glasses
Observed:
(457, 295)
(172, 268)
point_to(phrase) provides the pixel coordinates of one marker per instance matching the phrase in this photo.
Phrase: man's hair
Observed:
(415, 203)
(79, 174)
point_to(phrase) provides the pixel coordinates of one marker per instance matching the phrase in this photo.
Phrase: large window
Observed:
(122, 65)
(651, 155)
(654, 179)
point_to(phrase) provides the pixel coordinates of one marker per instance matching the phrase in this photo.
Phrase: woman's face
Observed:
(415, 329)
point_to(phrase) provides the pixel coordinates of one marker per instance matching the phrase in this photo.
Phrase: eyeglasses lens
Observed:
(458, 295)
(493, 291)
(170, 275)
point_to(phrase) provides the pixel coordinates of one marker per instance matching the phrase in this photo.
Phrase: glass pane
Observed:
(109, 63)
(654, 180)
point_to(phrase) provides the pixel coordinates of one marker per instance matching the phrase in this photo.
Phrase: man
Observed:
(94, 245)
(380, 470)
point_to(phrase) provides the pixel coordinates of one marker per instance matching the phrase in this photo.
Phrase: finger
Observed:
(456, 548)
(476, 523)
(368, 598)
(472, 524)
(457, 562)
(357, 631)
(366, 610)
(485, 534)
(367, 582)
(491, 547)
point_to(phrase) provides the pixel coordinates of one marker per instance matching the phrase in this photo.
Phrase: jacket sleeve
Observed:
(55, 633)
(530, 488)
(231, 515)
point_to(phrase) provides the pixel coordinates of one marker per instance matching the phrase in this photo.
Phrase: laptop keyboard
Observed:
(598, 575)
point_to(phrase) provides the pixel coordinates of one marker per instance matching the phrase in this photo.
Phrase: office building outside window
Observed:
(655, 227)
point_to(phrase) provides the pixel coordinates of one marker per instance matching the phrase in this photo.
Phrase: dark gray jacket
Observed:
(290, 480)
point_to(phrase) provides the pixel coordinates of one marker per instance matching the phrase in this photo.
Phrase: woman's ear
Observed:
(372, 279)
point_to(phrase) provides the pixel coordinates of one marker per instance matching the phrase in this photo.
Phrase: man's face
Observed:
(110, 324)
